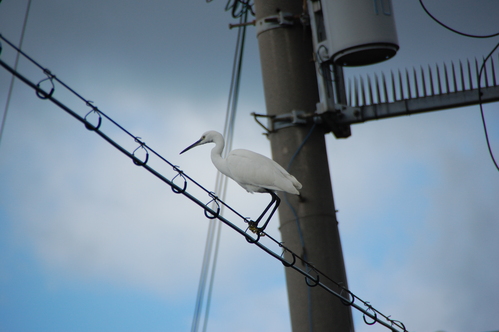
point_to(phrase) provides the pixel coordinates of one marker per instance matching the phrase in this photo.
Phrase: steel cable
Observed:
(312, 274)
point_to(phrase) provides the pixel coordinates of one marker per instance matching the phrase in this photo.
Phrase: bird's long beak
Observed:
(191, 146)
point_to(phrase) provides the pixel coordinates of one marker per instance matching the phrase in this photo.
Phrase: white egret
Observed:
(252, 171)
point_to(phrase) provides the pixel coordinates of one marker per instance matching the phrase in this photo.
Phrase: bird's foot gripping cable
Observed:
(253, 226)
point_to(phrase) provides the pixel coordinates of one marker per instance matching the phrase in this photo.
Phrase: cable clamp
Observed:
(281, 121)
(282, 19)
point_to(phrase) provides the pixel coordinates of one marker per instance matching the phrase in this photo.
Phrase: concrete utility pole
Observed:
(290, 83)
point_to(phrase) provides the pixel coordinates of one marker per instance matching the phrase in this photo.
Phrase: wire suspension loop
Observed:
(314, 276)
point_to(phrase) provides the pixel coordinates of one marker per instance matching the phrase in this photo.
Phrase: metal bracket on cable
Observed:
(282, 19)
(277, 122)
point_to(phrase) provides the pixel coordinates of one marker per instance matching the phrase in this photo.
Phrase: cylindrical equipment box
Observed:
(359, 32)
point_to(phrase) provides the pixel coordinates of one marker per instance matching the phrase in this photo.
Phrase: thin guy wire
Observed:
(239, 8)
(218, 225)
(370, 312)
(11, 86)
(221, 181)
(454, 30)
(491, 153)
(203, 276)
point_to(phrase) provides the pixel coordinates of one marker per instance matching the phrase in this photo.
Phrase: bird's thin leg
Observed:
(275, 201)
(274, 198)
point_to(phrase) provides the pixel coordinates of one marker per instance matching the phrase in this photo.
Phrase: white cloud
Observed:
(416, 196)
(431, 265)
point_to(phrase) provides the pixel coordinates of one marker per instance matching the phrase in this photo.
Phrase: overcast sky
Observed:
(91, 242)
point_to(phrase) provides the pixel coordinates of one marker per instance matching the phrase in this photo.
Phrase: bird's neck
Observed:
(216, 156)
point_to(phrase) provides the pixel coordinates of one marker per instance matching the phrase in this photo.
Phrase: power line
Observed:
(313, 276)
(240, 8)
(454, 30)
(491, 153)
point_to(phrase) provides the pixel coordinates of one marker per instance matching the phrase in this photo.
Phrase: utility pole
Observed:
(301, 69)
(290, 84)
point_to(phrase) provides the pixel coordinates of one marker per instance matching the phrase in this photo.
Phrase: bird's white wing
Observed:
(255, 172)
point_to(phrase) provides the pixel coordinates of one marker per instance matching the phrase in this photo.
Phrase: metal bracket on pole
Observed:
(282, 19)
(332, 118)
(278, 122)
(340, 110)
